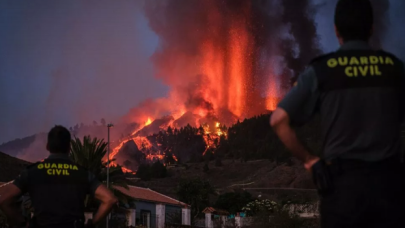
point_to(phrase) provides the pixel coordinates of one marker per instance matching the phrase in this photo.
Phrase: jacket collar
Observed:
(355, 45)
(59, 156)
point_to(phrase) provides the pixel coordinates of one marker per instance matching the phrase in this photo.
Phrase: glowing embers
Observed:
(213, 136)
(148, 122)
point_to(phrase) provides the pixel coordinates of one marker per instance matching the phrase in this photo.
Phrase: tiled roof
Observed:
(215, 211)
(146, 194)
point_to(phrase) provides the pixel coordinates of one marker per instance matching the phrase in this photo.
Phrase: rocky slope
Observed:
(260, 177)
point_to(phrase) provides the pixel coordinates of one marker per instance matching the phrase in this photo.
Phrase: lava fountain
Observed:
(223, 60)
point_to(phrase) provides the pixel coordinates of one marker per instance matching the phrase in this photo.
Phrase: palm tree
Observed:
(89, 154)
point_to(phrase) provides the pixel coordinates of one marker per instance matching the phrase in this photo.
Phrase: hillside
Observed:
(260, 177)
(10, 167)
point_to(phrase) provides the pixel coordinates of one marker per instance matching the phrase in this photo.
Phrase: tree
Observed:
(102, 121)
(89, 153)
(195, 192)
(233, 201)
(158, 170)
(94, 123)
(258, 206)
(144, 172)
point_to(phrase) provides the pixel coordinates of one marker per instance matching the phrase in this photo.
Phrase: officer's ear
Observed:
(47, 147)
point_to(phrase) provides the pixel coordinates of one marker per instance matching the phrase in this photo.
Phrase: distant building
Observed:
(149, 208)
(154, 209)
(214, 215)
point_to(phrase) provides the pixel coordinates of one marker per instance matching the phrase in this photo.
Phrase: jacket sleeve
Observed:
(22, 181)
(301, 102)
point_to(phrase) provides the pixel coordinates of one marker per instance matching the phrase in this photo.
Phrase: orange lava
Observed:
(217, 81)
(210, 137)
(148, 122)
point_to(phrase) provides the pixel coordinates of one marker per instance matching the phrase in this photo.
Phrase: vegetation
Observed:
(266, 213)
(156, 170)
(258, 206)
(280, 219)
(250, 139)
(195, 192)
(233, 202)
(89, 154)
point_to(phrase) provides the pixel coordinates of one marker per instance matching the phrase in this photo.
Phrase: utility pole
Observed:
(108, 164)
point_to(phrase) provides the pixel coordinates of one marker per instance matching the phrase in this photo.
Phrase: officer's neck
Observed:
(58, 155)
(345, 42)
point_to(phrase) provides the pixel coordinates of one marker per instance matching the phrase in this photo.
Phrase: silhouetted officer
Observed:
(57, 187)
(359, 94)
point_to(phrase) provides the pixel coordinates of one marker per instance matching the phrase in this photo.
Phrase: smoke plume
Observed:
(381, 22)
(230, 58)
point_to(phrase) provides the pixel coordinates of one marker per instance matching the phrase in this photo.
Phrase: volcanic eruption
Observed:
(226, 60)
(223, 60)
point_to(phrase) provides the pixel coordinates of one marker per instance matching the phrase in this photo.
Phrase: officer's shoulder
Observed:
(320, 58)
(390, 55)
(33, 165)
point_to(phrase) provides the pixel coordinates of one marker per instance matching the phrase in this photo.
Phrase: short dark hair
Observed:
(354, 19)
(59, 140)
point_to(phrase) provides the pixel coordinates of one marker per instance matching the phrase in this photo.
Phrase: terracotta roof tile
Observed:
(215, 211)
(146, 194)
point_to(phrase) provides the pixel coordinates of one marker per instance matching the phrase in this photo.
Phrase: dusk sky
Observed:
(67, 62)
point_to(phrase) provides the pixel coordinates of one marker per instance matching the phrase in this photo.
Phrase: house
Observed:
(149, 208)
(213, 214)
(154, 210)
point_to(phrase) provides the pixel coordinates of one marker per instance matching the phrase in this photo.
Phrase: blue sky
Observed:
(66, 62)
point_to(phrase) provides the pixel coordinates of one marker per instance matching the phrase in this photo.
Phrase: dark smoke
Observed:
(381, 21)
(279, 28)
(299, 15)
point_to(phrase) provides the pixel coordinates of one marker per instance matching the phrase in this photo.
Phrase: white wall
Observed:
(160, 215)
(185, 216)
(131, 217)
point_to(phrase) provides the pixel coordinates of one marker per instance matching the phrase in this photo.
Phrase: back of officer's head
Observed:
(354, 19)
(59, 140)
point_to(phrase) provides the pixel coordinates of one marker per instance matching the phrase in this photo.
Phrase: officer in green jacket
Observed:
(359, 94)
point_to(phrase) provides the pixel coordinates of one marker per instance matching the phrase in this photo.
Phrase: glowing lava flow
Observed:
(148, 122)
(211, 138)
(140, 142)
